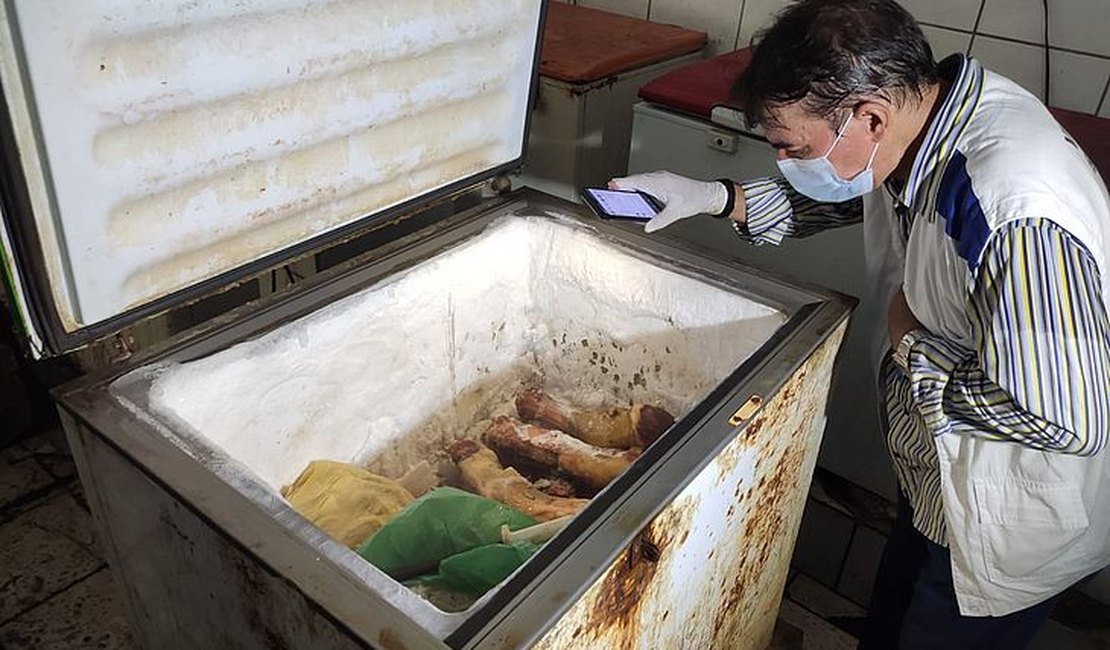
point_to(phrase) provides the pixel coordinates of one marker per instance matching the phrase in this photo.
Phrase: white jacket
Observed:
(1022, 524)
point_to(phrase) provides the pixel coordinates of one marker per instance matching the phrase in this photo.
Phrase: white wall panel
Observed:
(1018, 19)
(1082, 25)
(720, 19)
(1077, 81)
(946, 41)
(757, 15)
(960, 14)
(1022, 63)
(634, 8)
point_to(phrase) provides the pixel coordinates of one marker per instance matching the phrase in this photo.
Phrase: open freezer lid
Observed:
(153, 149)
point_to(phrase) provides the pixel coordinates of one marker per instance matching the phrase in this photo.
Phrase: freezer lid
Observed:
(153, 150)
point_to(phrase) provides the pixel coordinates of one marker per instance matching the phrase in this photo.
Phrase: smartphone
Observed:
(621, 204)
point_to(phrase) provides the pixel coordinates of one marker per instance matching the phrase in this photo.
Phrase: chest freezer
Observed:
(158, 152)
(593, 63)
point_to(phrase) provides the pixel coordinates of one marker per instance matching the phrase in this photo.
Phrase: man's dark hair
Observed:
(829, 54)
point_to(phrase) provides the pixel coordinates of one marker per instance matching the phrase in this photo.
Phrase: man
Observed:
(988, 234)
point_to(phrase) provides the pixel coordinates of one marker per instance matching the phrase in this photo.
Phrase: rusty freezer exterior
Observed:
(689, 548)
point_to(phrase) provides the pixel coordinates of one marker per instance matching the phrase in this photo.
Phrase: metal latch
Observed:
(746, 410)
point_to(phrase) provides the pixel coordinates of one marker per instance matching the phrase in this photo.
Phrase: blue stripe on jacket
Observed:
(963, 216)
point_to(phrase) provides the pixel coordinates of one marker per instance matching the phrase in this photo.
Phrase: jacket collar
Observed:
(944, 131)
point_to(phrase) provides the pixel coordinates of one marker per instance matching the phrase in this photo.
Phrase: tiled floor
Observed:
(57, 593)
(839, 545)
(55, 589)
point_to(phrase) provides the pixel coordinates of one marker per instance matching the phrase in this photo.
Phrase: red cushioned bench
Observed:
(697, 88)
(581, 45)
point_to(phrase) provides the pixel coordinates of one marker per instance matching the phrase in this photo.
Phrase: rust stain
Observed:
(618, 602)
(617, 614)
(765, 526)
(751, 432)
(617, 606)
(511, 643)
(388, 640)
(730, 456)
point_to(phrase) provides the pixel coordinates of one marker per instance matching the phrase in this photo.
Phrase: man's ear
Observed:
(876, 117)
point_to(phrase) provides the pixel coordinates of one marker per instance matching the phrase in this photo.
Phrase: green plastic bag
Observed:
(480, 569)
(476, 571)
(442, 523)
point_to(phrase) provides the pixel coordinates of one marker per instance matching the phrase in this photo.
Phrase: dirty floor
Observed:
(56, 592)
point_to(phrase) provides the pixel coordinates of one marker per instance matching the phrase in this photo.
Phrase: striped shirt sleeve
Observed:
(776, 210)
(1040, 372)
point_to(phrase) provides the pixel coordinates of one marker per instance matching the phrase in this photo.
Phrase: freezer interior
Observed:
(395, 372)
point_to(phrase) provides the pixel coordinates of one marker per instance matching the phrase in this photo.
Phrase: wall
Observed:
(1007, 35)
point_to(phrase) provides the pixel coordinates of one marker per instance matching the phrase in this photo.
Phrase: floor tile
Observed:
(868, 508)
(786, 637)
(822, 542)
(42, 551)
(50, 449)
(818, 634)
(821, 600)
(19, 478)
(861, 565)
(77, 491)
(88, 615)
(818, 493)
(1054, 636)
(1080, 612)
(1098, 587)
(14, 452)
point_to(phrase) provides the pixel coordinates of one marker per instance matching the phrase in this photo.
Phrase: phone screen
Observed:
(620, 203)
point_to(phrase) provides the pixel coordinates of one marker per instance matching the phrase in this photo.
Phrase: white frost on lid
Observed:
(185, 140)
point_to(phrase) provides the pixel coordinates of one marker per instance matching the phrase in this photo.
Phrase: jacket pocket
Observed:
(1030, 532)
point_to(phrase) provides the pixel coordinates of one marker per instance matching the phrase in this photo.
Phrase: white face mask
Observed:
(817, 178)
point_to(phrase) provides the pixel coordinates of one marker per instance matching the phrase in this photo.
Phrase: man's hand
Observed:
(682, 197)
(900, 319)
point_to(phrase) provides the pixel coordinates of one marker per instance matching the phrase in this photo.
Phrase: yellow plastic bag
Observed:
(344, 500)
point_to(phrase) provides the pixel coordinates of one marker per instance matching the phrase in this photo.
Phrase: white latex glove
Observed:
(682, 197)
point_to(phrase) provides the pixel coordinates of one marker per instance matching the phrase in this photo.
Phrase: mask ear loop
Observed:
(872, 158)
(839, 135)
